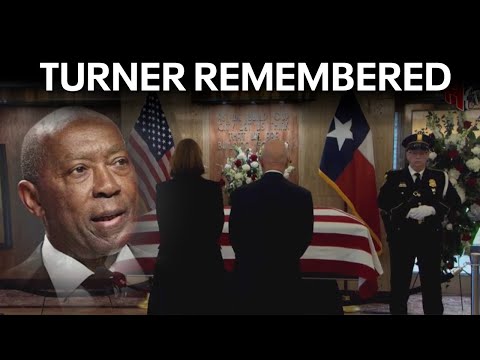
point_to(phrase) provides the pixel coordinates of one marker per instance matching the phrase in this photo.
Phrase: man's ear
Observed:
(28, 193)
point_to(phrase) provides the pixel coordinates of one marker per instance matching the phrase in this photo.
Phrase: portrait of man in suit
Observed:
(79, 181)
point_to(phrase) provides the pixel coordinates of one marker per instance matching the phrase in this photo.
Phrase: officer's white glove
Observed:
(421, 212)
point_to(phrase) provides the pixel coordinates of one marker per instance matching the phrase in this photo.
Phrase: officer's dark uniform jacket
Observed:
(399, 194)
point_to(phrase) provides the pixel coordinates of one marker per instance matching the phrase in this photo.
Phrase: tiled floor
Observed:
(14, 302)
(452, 305)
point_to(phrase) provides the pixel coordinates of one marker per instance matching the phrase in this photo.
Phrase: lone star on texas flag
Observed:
(341, 132)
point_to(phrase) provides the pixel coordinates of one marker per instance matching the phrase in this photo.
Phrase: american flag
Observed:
(151, 146)
(341, 247)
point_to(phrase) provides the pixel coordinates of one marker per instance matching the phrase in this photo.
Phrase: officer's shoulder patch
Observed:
(391, 173)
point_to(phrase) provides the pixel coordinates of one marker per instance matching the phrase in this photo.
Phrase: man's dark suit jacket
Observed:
(189, 272)
(270, 227)
(30, 276)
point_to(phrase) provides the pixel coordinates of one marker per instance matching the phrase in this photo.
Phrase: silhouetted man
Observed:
(270, 227)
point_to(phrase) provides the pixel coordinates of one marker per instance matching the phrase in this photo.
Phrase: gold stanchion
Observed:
(348, 309)
(351, 309)
(144, 304)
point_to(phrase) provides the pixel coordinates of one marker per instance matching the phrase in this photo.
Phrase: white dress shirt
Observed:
(272, 171)
(413, 172)
(67, 273)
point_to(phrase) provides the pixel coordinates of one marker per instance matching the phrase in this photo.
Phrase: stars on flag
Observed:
(342, 132)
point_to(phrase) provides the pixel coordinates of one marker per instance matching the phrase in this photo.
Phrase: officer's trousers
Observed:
(424, 244)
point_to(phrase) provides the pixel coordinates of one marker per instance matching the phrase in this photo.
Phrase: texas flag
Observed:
(348, 164)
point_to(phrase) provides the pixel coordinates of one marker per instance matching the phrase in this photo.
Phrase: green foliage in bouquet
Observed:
(457, 151)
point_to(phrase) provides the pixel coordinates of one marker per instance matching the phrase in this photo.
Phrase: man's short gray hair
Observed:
(32, 157)
(33, 147)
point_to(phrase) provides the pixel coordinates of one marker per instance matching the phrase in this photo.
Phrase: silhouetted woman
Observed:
(189, 271)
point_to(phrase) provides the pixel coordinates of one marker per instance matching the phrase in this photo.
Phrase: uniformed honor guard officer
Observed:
(413, 203)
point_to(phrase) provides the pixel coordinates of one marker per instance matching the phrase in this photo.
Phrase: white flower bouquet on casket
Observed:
(244, 168)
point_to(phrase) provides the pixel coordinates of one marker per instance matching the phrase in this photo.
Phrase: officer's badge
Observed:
(402, 185)
(433, 185)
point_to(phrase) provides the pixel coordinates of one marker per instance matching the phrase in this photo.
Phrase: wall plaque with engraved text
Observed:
(249, 126)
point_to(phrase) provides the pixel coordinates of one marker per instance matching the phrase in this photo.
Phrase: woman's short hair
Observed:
(187, 159)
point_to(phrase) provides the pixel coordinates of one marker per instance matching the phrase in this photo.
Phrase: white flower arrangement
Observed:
(244, 168)
(457, 151)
